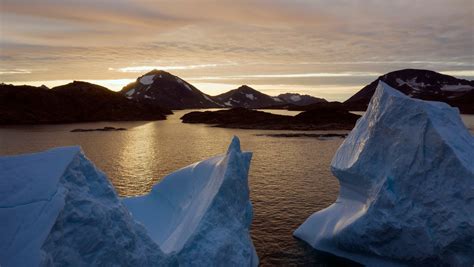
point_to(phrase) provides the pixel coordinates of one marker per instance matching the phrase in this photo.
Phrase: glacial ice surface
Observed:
(57, 209)
(202, 212)
(406, 174)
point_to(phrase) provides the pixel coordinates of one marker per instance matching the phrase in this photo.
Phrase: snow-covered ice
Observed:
(202, 212)
(406, 173)
(56, 208)
(147, 79)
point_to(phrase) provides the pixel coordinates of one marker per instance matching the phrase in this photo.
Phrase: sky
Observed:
(328, 49)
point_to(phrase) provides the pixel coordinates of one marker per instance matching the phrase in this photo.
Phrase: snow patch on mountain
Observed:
(208, 98)
(412, 83)
(234, 100)
(147, 80)
(457, 88)
(295, 98)
(129, 93)
(251, 97)
(184, 83)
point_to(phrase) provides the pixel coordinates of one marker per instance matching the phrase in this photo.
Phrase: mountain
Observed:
(247, 97)
(161, 88)
(73, 102)
(300, 100)
(164, 89)
(421, 84)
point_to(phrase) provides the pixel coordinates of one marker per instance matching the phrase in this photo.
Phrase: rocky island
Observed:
(319, 118)
(104, 129)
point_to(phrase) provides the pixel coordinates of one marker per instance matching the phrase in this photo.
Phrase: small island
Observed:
(321, 136)
(105, 129)
(319, 118)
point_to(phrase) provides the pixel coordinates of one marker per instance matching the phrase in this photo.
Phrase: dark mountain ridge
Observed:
(247, 97)
(300, 100)
(421, 84)
(73, 102)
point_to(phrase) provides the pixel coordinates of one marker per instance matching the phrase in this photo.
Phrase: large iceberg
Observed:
(56, 208)
(202, 212)
(406, 174)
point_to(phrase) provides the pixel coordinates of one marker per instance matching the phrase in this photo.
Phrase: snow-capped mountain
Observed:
(300, 100)
(167, 90)
(421, 84)
(247, 97)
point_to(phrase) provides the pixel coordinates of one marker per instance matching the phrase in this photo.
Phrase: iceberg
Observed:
(202, 213)
(406, 174)
(57, 208)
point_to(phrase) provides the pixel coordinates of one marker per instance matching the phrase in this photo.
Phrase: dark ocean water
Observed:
(289, 177)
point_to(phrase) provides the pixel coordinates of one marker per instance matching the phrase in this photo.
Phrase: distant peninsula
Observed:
(322, 118)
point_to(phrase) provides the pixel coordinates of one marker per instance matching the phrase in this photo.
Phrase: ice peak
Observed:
(387, 90)
(405, 162)
(234, 145)
(209, 216)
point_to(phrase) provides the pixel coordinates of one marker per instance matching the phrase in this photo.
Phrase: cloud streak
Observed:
(141, 69)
